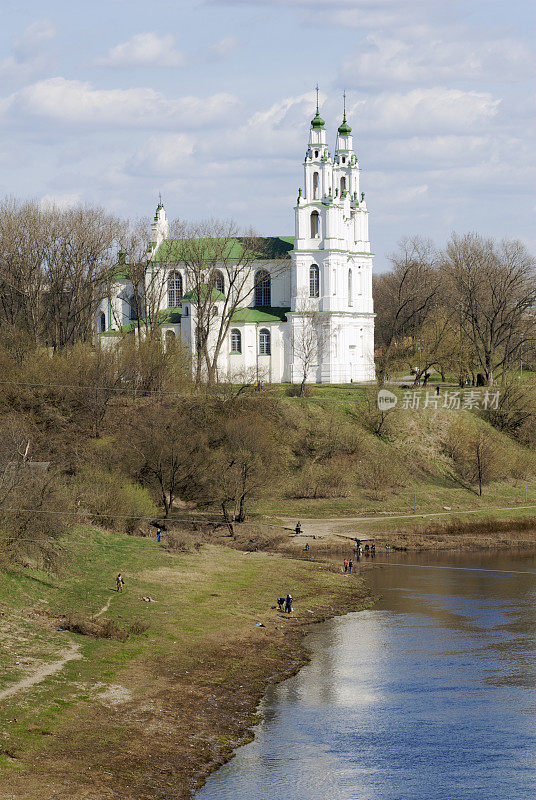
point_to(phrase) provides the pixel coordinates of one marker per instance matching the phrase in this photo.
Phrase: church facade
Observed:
(308, 311)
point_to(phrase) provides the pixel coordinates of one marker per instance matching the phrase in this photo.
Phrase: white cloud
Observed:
(145, 50)
(224, 47)
(434, 110)
(78, 103)
(347, 13)
(426, 55)
(41, 31)
(433, 152)
(61, 200)
(162, 154)
(27, 59)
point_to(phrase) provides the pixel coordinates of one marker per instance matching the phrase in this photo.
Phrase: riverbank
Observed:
(487, 529)
(142, 694)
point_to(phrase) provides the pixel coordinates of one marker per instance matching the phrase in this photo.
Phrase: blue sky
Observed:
(209, 102)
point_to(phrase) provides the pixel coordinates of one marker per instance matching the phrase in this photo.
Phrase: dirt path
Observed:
(104, 609)
(322, 528)
(45, 671)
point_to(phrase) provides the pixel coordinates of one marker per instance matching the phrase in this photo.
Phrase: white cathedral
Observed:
(325, 280)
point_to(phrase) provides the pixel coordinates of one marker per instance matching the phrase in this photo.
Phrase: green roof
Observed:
(344, 129)
(317, 121)
(272, 247)
(191, 296)
(261, 314)
(169, 315)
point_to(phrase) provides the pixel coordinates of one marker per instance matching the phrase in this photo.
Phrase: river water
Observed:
(430, 695)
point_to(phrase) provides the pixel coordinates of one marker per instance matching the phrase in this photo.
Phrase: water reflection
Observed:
(431, 695)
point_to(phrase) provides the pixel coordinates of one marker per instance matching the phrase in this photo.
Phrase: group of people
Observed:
(285, 604)
(368, 550)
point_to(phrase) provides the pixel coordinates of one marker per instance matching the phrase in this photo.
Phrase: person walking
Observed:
(119, 582)
(158, 534)
(298, 528)
(345, 565)
(350, 565)
(288, 604)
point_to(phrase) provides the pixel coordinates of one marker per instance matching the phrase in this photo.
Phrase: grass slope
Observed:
(152, 715)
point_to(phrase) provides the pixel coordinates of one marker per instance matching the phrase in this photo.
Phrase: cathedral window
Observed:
(133, 307)
(316, 153)
(350, 297)
(315, 185)
(343, 185)
(174, 289)
(102, 322)
(343, 160)
(218, 281)
(314, 224)
(263, 288)
(264, 342)
(236, 341)
(314, 281)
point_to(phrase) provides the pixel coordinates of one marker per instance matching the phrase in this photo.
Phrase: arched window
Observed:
(264, 342)
(314, 281)
(174, 291)
(133, 307)
(102, 322)
(314, 224)
(236, 341)
(218, 281)
(315, 185)
(350, 297)
(316, 153)
(343, 185)
(263, 288)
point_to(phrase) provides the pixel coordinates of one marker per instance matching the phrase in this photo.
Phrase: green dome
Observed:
(344, 129)
(317, 122)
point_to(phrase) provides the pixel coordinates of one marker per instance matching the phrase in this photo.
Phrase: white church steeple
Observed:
(159, 227)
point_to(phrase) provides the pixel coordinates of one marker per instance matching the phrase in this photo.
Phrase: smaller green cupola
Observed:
(317, 123)
(344, 129)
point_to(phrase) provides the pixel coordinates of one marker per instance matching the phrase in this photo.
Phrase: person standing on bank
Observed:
(288, 604)
(119, 582)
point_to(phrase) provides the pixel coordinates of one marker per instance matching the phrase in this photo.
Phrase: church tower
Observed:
(331, 277)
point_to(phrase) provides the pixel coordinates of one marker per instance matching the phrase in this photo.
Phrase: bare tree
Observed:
(146, 285)
(209, 252)
(310, 336)
(404, 298)
(492, 287)
(53, 268)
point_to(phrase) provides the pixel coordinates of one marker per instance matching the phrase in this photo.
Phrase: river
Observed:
(430, 695)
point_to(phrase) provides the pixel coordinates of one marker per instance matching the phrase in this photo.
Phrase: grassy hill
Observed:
(152, 695)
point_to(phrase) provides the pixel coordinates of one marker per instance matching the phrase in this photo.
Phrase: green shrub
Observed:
(112, 500)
